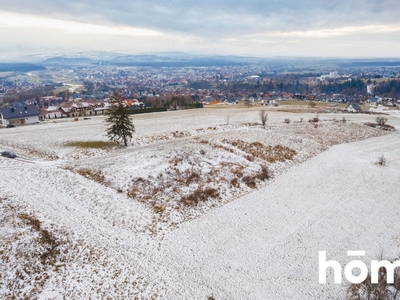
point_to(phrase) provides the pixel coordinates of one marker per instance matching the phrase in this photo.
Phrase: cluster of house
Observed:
(264, 99)
(383, 101)
(83, 108)
(29, 114)
(76, 109)
(281, 96)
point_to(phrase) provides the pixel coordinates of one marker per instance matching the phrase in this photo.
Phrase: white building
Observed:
(370, 88)
(333, 75)
(20, 115)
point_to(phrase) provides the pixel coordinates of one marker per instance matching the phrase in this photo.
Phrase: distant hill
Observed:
(20, 67)
(167, 59)
(379, 62)
(66, 61)
(179, 59)
(376, 64)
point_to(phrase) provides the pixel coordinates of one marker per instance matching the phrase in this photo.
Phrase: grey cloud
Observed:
(217, 18)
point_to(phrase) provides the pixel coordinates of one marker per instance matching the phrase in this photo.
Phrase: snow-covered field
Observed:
(202, 203)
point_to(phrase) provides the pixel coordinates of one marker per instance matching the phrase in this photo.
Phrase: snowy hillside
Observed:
(199, 204)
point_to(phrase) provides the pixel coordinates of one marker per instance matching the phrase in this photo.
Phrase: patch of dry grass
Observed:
(91, 144)
(386, 127)
(199, 195)
(35, 254)
(251, 180)
(214, 169)
(93, 175)
(269, 153)
(47, 240)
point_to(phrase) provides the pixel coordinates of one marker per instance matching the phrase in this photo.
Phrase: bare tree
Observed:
(381, 120)
(247, 102)
(381, 161)
(263, 117)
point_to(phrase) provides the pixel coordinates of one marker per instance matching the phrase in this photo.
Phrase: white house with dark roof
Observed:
(353, 107)
(20, 115)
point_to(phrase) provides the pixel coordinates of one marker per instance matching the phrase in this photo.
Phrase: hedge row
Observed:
(147, 110)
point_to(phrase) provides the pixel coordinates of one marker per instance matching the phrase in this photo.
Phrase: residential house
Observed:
(372, 101)
(20, 115)
(52, 112)
(353, 107)
(133, 103)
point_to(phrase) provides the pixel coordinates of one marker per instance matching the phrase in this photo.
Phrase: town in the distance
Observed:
(79, 85)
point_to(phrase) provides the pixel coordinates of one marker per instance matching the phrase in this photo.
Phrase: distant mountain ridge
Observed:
(20, 67)
(61, 60)
(180, 59)
(161, 59)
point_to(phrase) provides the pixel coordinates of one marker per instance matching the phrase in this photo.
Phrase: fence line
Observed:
(49, 154)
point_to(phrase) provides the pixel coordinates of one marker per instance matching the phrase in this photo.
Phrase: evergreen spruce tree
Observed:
(120, 126)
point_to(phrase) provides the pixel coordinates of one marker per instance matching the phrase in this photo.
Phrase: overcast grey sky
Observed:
(264, 28)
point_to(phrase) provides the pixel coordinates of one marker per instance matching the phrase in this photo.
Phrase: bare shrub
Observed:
(287, 120)
(175, 161)
(312, 104)
(199, 195)
(250, 158)
(140, 186)
(381, 120)
(314, 120)
(381, 161)
(179, 134)
(192, 176)
(159, 209)
(264, 174)
(238, 171)
(133, 193)
(250, 180)
(235, 182)
(263, 117)
(211, 297)
(344, 120)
